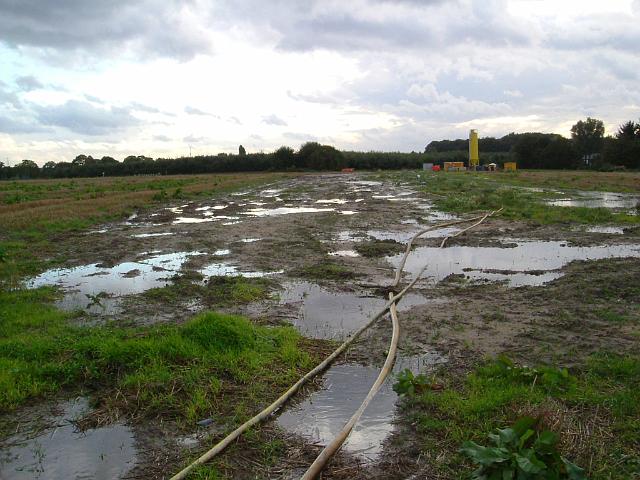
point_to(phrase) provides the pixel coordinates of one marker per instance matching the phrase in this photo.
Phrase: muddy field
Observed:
(319, 252)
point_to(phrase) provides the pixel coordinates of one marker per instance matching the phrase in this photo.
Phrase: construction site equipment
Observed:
(453, 166)
(474, 157)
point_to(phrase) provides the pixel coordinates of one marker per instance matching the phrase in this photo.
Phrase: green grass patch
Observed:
(498, 392)
(214, 364)
(612, 316)
(218, 291)
(379, 248)
(469, 192)
(326, 271)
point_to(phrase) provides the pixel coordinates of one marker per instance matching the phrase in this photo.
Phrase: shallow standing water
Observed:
(82, 284)
(321, 416)
(528, 263)
(616, 201)
(335, 315)
(63, 452)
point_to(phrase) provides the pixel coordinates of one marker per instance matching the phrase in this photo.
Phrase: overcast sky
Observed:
(153, 77)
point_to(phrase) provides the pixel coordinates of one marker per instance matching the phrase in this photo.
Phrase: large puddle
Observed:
(228, 270)
(274, 212)
(617, 201)
(321, 416)
(335, 315)
(62, 452)
(528, 263)
(89, 286)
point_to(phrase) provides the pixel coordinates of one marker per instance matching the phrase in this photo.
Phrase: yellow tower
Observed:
(474, 158)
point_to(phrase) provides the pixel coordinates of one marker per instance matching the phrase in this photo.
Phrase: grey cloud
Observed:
(144, 108)
(28, 83)
(94, 99)
(612, 31)
(84, 118)
(153, 27)
(194, 139)
(359, 26)
(162, 138)
(13, 126)
(300, 136)
(8, 97)
(274, 120)
(196, 111)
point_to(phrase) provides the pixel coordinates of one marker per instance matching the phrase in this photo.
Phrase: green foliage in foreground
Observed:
(498, 392)
(521, 452)
(179, 371)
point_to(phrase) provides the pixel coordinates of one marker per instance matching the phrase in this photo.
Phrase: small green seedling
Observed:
(409, 384)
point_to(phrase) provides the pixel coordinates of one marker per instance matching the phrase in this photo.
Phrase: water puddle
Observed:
(320, 417)
(334, 315)
(367, 183)
(528, 263)
(271, 192)
(337, 201)
(180, 220)
(63, 452)
(150, 235)
(404, 237)
(273, 212)
(608, 230)
(617, 201)
(214, 207)
(92, 286)
(228, 270)
(349, 236)
(344, 253)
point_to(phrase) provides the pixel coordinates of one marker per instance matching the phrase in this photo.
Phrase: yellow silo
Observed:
(474, 158)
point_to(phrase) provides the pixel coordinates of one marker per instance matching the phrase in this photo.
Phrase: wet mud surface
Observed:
(506, 287)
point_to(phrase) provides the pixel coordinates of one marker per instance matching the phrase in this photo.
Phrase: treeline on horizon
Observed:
(587, 148)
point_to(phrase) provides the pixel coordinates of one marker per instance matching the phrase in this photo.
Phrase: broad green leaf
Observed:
(574, 472)
(528, 462)
(546, 442)
(508, 436)
(508, 473)
(484, 455)
(523, 424)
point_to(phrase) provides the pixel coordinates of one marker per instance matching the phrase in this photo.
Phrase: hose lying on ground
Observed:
(321, 460)
(328, 451)
(225, 442)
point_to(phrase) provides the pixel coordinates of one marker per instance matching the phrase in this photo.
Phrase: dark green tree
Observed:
(588, 136)
(241, 151)
(283, 158)
(628, 131)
